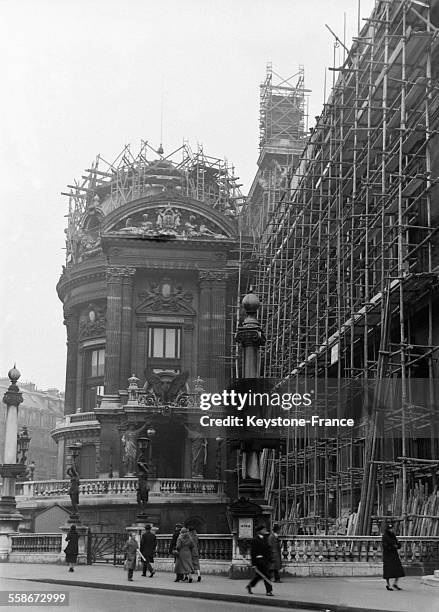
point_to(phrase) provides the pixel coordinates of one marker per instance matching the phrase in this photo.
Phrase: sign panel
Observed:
(245, 528)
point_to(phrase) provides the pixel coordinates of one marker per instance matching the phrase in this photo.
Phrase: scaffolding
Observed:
(105, 186)
(282, 128)
(347, 272)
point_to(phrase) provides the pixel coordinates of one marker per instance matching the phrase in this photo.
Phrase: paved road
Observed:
(88, 599)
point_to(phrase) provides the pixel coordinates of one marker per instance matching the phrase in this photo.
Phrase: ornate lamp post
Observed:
(251, 337)
(151, 433)
(23, 441)
(219, 441)
(31, 469)
(10, 469)
(75, 449)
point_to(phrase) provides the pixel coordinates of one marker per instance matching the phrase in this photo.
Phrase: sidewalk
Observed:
(332, 594)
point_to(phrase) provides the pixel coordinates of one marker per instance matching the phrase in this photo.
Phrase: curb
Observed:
(244, 599)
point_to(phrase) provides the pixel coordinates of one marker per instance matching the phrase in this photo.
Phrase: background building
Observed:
(40, 413)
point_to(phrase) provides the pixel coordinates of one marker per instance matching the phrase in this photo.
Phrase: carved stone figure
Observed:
(168, 219)
(74, 489)
(199, 451)
(129, 446)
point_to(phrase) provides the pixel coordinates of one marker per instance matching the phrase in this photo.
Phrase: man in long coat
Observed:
(173, 548)
(276, 552)
(148, 545)
(261, 560)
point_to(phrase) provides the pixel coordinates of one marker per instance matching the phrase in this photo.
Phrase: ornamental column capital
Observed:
(117, 273)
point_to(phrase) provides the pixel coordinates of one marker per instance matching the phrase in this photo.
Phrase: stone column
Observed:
(113, 331)
(218, 328)
(250, 336)
(10, 470)
(204, 335)
(71, 321)
(126, 326)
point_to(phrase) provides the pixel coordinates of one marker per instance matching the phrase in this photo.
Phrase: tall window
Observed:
(97, 362)
(164, 343)
(94, 367)
(164, 348)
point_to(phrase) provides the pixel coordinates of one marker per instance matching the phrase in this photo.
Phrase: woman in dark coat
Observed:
(183, 562)
(392, 567)
(71, 549)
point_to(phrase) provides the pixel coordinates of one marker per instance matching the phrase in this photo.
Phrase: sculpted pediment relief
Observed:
(165, 296)
(170, 220)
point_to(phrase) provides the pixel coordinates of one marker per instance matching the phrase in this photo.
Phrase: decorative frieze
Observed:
(213, 275)
(171, 220)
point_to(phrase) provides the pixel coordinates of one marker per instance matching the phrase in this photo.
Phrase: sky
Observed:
(86, 77)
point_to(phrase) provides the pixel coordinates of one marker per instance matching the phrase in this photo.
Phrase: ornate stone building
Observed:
(148, 288)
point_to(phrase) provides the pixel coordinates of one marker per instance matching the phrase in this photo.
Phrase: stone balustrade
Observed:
(37, 543)
(121, 487)
(349, 549)
(217, 547)
(80, 416)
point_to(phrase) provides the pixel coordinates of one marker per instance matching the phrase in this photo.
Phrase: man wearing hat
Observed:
(261, 560)
(173, 547)
(148, 544)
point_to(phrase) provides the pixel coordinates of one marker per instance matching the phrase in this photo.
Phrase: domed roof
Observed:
(163, 168)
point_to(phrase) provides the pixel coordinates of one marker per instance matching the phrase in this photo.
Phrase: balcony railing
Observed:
(122, 487)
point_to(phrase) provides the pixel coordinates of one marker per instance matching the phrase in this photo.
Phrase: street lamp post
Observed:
(23, 441)
(31, 469)
(151, 433)
(10, 470)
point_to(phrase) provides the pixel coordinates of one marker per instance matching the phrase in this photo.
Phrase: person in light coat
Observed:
(183, 562)
(195, 552)
(130, 550)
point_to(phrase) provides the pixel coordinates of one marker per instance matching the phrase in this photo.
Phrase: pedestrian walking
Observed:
(71, 550)
(276, 552)
(392, 567)
(261, 560)
(195, 552)
(173, 549)
(130, 549)
(148, 545)
(183, 562)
